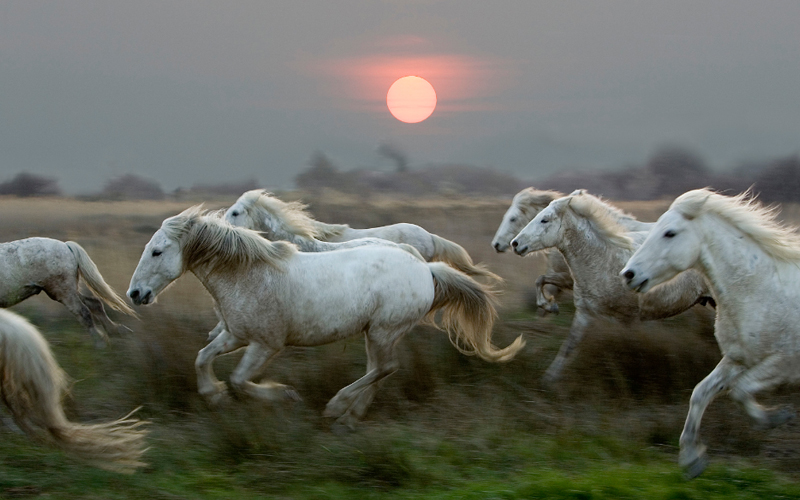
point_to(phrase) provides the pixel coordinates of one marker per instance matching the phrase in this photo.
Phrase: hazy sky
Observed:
(189, 92)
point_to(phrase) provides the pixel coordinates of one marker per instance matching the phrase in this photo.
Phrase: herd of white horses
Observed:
(280, 278)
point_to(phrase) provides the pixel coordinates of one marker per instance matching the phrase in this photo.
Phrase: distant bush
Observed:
(131, 187)
(30, 185)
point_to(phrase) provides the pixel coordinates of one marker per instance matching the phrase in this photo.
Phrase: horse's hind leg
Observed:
(579, 324)
(72, 300)
(99, 313)
(207, 383)
(765, 375)
(350, 403)
(693, 453)
(255, 356)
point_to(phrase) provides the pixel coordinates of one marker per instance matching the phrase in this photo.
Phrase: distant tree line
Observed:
(669, 172)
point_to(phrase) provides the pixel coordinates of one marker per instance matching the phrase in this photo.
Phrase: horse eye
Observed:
(545, 221)
(669, 234)
(235, 213)
(156, 253)
(513, 219)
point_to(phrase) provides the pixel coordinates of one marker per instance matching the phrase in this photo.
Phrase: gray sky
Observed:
(189, 92)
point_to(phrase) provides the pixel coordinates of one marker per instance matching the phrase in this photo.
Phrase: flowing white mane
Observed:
(746, 214)
(603, 216)
(292, 214)
(530, 201)
(207, 240)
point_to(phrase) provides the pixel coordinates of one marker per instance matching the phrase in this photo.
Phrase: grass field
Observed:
(443, 426)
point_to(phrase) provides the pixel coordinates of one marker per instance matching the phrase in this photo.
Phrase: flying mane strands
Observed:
(744, 211)
(293, 214)
(206, 239)
(604, 216)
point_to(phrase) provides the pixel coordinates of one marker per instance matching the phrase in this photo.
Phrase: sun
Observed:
(411, 99)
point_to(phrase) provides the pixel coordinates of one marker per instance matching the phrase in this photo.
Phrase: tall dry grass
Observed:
(630, 381)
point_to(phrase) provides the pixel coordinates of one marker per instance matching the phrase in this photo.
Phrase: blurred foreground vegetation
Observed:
(444, 426)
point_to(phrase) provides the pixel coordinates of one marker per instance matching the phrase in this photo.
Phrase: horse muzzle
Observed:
(519, 248)
(499, 247)
(635, 281)
(140, 297)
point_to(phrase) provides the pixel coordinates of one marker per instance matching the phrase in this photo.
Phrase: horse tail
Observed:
(32, 386)
(94, 280)
(454, 254)
(468, 313)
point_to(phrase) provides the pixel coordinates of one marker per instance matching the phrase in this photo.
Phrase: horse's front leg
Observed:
(580, 322)
(693, 453)
(255, 356)
(770, 373)
(207, 383)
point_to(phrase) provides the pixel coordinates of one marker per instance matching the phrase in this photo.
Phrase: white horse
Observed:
(271, 296)
(33, 265)
(524, 207)
(290, 221)
(752, 264)
(588, 233)
(32, 386)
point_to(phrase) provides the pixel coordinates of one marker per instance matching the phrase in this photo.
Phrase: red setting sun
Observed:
(411, 99)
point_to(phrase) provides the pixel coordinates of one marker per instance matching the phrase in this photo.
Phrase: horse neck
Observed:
(729, 259)
(583, 248)
(223, 285)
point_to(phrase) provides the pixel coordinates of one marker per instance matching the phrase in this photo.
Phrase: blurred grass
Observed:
(443, 426)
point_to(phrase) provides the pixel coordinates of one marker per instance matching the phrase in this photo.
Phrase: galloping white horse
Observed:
(747, 257)
(271, 296)
(33, 265)
(524, 207)
(289, 221)
(32, 386)
(588, 233)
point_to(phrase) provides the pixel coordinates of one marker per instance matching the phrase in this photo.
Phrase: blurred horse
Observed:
(32, 386)
(290, 221)
(33, 265)
(271, 296)
(588, 233)
(524, 207)
(752, 264)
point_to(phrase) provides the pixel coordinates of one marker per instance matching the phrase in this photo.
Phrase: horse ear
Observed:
(578, 192)
(690, 207)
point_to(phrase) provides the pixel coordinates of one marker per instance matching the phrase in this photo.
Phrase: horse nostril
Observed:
(515, 243)
(629, 275)
(146, 297)
(133, 294)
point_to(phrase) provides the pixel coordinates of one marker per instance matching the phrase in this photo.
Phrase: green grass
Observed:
(393, 461)
(445, 426)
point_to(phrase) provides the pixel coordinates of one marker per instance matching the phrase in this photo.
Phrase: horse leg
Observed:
(545, 301)
(216, 331)
(255, 356)
(765, 375)
(220, 325)
(207, 383)
(351, 402)
(579, 324)
(99, 313)
(72, 301)
(376, 357)
(693, 453)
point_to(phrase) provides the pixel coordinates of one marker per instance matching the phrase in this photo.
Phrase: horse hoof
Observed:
(344, 425)
(219, 399)
(291, 395)
(695, 467)
(776, 418)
